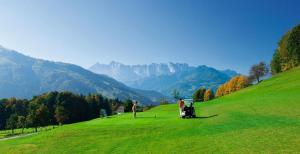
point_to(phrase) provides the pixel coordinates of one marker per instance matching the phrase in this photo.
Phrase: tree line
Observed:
(203, 94)
(55, 108)
(236, 83)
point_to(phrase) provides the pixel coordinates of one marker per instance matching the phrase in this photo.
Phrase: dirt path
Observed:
(18, 136)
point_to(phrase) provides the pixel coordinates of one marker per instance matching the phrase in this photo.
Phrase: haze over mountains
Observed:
(23, 77)
(165, 77)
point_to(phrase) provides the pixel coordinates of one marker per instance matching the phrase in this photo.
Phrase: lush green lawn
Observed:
(260, 119)
(18, 132)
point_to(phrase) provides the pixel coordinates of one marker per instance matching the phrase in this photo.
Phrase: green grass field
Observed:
(18, 132)
(264, 118)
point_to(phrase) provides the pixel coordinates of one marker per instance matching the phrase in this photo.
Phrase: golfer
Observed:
(134, 109)
(181, 106)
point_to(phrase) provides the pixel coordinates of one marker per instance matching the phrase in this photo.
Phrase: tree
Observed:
(287, 55)
(208, 95)
(42, 115)
(275, 63)
(199, 95)
(231, 85)
(242, 82)
(93, 102)
(61, 114)
(11, 122)
(176, 94)
(128, 105)
(220, 91)
(74, 106)
(54, 107)
(38, 113)
(257, 71)
(21, 123)
(31, 120)
(50, 102)
(3, 114)
(234, 84)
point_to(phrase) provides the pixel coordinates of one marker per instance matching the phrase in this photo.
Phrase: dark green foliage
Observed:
(55, 108)
(11, 122)
(275, 63)
(21, 123)
(199, 95)
(287, 55)
(2, 115)
(43, 115)
(61, 114)
(33, 119)
(11, 106)
(93, 103)
(75, 105)
(128, 105)
(50, 102)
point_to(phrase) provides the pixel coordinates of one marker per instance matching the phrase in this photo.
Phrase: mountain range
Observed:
(165, 77)
(23, 77)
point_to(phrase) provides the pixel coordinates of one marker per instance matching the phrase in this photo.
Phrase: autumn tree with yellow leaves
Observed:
(234, 84)
(208, 95)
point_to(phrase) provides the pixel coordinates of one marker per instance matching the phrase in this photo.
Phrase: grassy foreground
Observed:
(18, 132)
(260, 119)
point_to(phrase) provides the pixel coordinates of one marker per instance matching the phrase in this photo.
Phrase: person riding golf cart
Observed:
(189, 110)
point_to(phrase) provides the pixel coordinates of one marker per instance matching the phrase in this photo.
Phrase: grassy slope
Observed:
(264, 118)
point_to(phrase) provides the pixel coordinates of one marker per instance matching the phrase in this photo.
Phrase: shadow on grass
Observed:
(152, 117)
(205, 117)
(201, 117)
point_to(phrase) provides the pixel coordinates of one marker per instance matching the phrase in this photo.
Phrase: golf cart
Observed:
(188, 110)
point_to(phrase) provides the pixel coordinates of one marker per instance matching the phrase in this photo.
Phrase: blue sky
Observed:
(223, 34)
